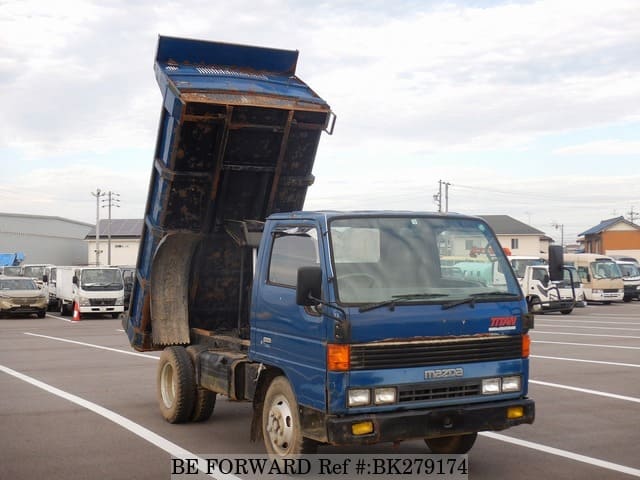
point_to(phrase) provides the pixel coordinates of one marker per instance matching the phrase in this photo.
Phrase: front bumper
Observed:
(102, 309)
(35, 306)
(429, 423)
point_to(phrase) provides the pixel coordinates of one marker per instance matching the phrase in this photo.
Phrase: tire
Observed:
(567, 311)
(281, 428)
(115, 315)
(456, 444)
(42, 313)
(63, 309)
(175, 385)
(205, 402)
(627, 298)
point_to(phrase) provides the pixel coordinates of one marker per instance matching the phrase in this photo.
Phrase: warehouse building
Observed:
(44, 239)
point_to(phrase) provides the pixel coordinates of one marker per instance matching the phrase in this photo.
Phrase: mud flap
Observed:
(170, 288)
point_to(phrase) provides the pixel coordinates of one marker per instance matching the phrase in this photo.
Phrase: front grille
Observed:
(23, 300)
(610, 290)
(448, 351)
(102, 302)
(420, 393)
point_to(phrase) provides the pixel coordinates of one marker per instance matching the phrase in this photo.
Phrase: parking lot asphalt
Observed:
(77, 402)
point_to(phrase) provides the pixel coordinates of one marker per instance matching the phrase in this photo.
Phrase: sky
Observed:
(526, 108)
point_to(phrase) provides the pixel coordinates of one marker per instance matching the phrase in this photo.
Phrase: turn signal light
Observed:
(338, 357)
(526, 346)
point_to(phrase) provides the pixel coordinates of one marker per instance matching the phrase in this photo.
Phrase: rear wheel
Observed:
(456, 444)
(205, 402)
(175, 385)
(64, 310)
(281, 429)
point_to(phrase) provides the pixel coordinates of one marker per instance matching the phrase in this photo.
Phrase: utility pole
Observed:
(561, 227)
(438, 196)
(98, 194)
(446, 197)
(112, 200)
(632, 215)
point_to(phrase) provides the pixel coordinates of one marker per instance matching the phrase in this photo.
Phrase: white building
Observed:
(518, 237)
(123, 247)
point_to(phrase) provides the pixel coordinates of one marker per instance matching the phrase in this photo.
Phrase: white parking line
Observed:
(587, 345)
(589, 321)
(589, 326)
(135, 428)
(586, 361)
(564, 453)
(92, 345)
(59, 318)
(584, 334)
(587, 390)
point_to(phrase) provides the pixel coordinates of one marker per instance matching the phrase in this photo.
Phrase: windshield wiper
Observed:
(471, 299)
(398, 298)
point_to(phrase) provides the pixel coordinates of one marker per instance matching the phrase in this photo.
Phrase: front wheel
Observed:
(175, 385)
(455, 444)
(281, 429)
(567, 311)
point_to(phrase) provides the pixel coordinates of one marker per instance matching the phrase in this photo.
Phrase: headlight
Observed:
(358, 397)
(84, 302)
(597, 291)
(511, 384)
(385, 395)
(490, 386)
(120, 301)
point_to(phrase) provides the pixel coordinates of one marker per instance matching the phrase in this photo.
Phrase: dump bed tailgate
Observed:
(237, 139)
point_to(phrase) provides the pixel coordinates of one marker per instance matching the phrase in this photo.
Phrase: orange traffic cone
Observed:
(76, 312)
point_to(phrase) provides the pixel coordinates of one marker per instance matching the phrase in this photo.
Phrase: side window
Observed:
(290, 252)
(583, 273)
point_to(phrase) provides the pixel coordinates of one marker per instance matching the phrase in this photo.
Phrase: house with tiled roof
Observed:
(518, 237)
(614, 236)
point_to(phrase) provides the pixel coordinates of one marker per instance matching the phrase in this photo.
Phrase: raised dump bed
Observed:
(237, 139)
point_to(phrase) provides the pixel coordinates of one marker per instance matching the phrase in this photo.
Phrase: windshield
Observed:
(629, 270)
(605, 269)
(101, 279)
(422, 259)
(520, 264)
(33, 272)
(18, 284)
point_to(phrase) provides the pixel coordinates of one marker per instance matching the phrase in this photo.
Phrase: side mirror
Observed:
(309, 286)
(556, 261)
(75, 280)
(45, 279)
(545, 280)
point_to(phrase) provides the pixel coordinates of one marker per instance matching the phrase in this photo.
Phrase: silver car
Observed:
(19, 295)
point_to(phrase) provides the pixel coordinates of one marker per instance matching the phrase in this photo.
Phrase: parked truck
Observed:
(544, 295)
(92, 289)
(341, 328)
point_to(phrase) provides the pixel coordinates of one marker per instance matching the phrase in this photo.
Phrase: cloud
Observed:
(603, 148)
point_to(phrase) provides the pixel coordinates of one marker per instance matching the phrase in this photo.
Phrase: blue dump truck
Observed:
(341, 328)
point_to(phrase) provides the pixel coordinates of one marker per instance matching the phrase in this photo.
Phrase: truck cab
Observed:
(544, 295)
